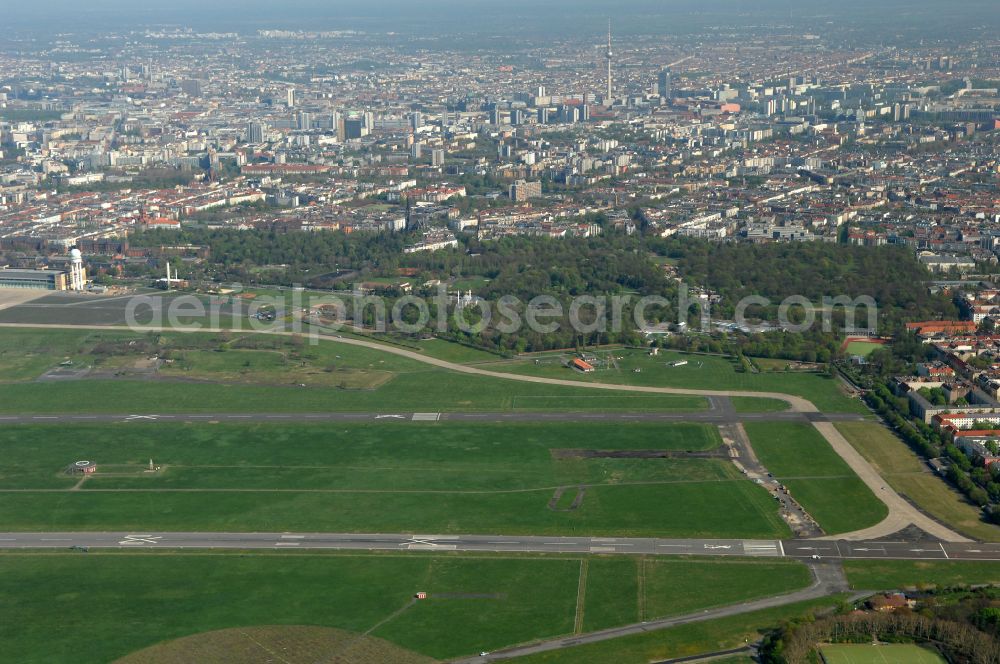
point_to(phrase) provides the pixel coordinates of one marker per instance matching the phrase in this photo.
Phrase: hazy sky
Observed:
(478, 15)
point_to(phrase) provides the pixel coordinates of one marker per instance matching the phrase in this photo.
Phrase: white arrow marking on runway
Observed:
(398, 417)
(140, 539)
(718, 546)
(141, 417)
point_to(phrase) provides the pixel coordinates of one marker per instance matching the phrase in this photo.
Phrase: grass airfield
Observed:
(379, 477)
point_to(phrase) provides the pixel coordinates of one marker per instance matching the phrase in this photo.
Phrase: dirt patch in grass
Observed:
(718, 453)
(291, 644)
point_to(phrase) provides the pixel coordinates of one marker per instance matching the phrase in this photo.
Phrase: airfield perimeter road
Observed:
(901, 513)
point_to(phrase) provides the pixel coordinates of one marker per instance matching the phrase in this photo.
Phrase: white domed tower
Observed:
(77, 275)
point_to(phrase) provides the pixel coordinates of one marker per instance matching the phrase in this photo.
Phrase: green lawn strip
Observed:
(684, 640)
(758, 405)
(390, 477)
(908, 475)
(455, 352)
(625, 511)
(676, 587)
(612, 593)
(815, 475)
(344, 456)
(900, 574)
(430, 390)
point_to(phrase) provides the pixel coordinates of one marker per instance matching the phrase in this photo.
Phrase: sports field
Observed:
(843, 653)
(118, 603)
(862, 348)
(815, 475)
(379, 477)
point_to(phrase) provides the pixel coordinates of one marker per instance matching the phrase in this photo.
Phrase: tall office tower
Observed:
(416, 150)
(437, 158)
(291, 98)
(516, 116)
(495, 116)
(369, 120)
(303, 121)
(664, 85)
(191, 87)
(543, 115)
(416, 120)
(255, 132)
(607, 100)
(541, 91)
(585, 113)
(354, 128)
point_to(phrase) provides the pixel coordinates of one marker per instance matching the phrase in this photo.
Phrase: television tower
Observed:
(607, 99)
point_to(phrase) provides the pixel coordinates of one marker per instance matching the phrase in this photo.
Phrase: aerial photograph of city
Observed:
(592, 332)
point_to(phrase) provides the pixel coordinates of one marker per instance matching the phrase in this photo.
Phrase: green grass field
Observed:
(453, 352)
(683, 641)
(353, 378)
(900, 574)
(900, 653)
(706, 372)
(673, 587)
(815, 475)
(389, 477)
(862, 348)
(26, 354)
(908, 475)
(758, 405)
(259, 373)
(118, 603)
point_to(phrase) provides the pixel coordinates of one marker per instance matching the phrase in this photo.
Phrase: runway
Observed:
(704, 416)
(802, 549)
